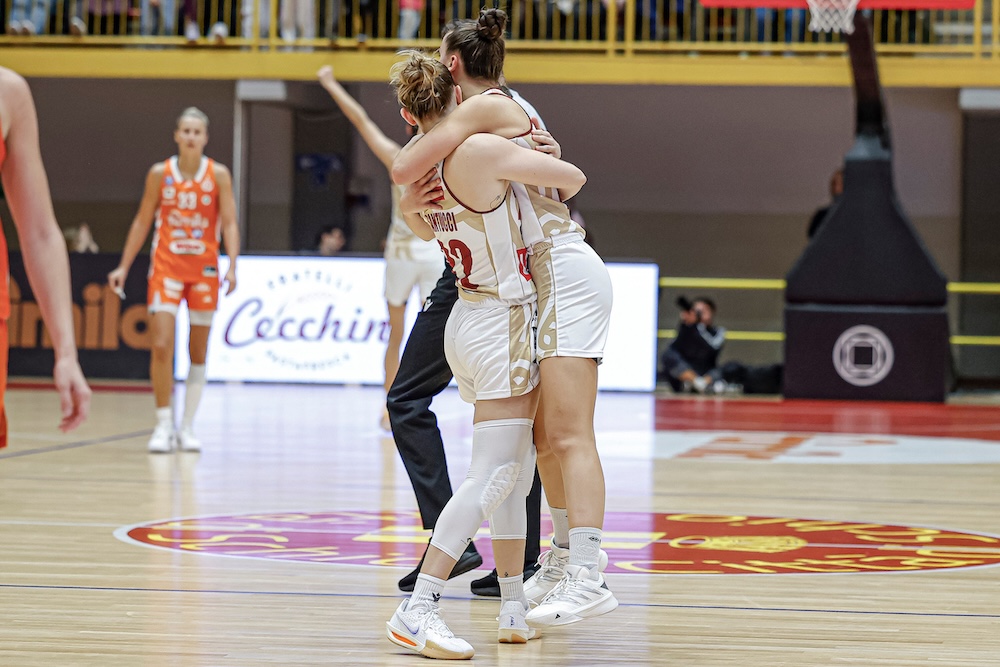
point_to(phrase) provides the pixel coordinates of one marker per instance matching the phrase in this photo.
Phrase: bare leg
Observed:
(161, 359)
(568, 427)
(396, 315)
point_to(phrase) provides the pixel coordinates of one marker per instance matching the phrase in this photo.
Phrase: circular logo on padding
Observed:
(636, 542)
(863, 356)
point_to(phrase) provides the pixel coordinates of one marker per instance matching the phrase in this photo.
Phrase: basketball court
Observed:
(739, 532)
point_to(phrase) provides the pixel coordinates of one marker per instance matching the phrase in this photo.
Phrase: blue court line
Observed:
(396, 597)
(75, 445)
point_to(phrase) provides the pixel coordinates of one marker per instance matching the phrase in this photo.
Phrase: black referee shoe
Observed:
(469, 560)
(489, 587)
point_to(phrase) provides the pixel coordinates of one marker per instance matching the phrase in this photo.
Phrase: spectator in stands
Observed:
(836, 189)
(410, 14)
(691, 360)
(28, 17)
(298, 20)
(330, 241)
(159, 17)
(80, 239)
(263, 22)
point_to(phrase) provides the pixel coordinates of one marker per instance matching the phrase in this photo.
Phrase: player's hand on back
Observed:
(546, 143)
(422, 195)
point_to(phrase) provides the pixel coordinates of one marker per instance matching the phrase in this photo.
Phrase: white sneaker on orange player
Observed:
(552, 567)
(162, 440)
(512, 628)
(581, 594)
(187, 440)
(422, 631)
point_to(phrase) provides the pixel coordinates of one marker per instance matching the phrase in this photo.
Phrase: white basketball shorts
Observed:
(401, 275)
(490, 348)
(574, 298)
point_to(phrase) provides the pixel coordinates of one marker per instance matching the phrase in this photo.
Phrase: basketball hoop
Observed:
(832, 15)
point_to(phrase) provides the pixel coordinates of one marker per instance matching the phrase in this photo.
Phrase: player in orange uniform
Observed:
(42, 246)
(191, 198)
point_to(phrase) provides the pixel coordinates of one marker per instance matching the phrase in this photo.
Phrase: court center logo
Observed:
(636, 542)
(863, 356)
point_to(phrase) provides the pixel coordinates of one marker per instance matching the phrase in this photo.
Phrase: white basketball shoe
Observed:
(513, 629)
(187, 440)
(422, 631)
(552, 567)
(582, 593)
(162, 440)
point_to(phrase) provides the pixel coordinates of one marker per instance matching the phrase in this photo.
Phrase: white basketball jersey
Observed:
(484, 248)
(542, 214)
(401, 242)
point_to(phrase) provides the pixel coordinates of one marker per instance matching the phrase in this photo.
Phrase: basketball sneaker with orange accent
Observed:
(581, 594)
(422, 630)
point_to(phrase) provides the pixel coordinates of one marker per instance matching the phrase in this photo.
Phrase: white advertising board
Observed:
(324, 320)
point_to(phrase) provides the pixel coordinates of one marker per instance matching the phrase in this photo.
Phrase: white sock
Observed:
(427, 590)
(512, 588)
(560, 526)
(192, 394)
(165, 416)
(585, 547)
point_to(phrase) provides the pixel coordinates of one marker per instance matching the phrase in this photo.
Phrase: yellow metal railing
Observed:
(778, 285)
(615, 27)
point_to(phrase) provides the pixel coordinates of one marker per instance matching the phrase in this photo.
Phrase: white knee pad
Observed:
(499, 450)
(509, 520)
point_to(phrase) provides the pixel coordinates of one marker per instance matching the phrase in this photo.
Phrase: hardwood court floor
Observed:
(281, 544)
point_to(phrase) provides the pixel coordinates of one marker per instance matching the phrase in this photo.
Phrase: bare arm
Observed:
(510, 162)
(419, 226)
(417, 197)
(227, 218)
(42, 244)
(483, 113)
(384, 148)
(139, 230)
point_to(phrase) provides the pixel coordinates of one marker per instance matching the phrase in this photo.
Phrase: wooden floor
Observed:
(281, 544)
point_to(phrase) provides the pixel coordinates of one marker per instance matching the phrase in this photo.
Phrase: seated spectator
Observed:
(330, 241)
(691, 360)
(28, 17)
(836, 189)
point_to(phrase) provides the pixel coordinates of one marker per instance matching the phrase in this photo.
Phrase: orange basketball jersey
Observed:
(186, 240)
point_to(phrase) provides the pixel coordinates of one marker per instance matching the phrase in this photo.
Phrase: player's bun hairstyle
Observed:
(480, 44)
(423, 85)
(193, 112)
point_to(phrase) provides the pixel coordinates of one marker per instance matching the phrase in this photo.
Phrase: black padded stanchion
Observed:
(865, 303)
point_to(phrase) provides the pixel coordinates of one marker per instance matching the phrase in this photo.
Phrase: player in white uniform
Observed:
(409, 261)
(488, 343)
(574, 301)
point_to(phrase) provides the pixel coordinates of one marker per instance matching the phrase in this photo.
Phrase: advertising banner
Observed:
(324, 320)
(111, 333)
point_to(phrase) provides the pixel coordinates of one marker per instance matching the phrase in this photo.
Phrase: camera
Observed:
(685, 305)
